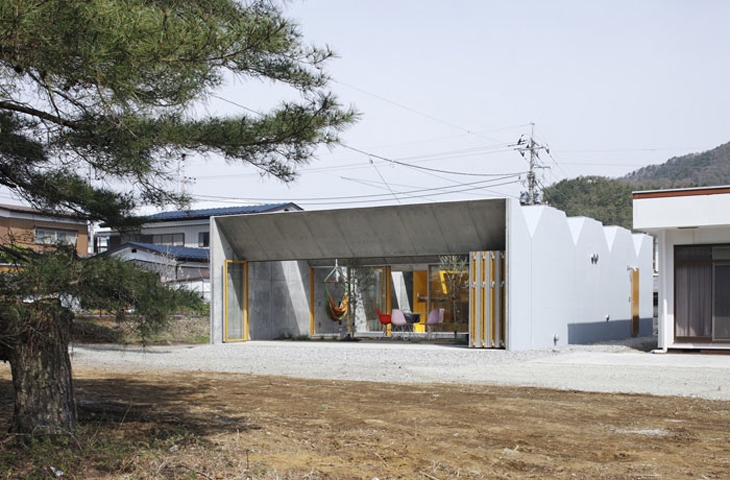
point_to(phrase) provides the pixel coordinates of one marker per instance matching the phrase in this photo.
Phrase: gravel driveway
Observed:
(598, 368)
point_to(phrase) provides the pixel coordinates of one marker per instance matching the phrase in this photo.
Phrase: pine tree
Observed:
(97, 103)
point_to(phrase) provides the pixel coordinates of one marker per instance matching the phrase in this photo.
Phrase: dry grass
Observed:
(183, 425)
(187, 329)
(195, 425)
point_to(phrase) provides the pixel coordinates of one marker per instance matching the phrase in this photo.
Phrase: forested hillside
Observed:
(695, 170)
(605, 199)
(609, 199)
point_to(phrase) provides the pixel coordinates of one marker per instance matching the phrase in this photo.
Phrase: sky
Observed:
(446, 89)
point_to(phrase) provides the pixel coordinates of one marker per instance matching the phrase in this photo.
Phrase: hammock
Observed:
(336, 311)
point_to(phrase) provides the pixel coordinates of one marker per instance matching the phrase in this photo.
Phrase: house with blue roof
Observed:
(182, 228)
(182, 267)
(175, 245)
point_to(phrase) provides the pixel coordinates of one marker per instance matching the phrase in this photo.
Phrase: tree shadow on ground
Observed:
(145, 409)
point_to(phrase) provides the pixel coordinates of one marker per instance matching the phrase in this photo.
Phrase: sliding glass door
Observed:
(702, 293)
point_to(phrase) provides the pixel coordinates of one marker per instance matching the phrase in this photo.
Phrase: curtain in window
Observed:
(693, 299)
(721, 302)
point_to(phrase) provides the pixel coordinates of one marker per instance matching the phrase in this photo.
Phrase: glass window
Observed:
(173, 239)
(204, 239)
(51, 236)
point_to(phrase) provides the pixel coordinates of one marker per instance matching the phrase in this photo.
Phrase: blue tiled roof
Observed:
(178, 253)
(216, 212)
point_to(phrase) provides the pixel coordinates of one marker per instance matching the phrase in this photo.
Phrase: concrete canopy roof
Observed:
(375, 235)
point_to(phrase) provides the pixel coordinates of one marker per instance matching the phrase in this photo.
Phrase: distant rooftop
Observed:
(176, 252)
(35, 211)
(218, 212)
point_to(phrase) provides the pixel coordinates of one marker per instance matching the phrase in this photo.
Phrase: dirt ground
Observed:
(243, 426)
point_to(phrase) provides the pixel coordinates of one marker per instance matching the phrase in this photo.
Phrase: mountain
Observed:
(694, 170)
(605, 199)
(609, 199)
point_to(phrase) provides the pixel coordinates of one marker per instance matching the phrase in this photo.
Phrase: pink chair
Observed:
(435, 317)
(397, 319)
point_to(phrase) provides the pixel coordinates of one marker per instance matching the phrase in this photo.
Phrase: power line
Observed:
(400, 161)
(356, 199)
(417, 167)
(412, 110)
(384, 182)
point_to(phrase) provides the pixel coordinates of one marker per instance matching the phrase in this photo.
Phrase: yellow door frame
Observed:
(388, 300)
(311, 301)
(635, 281)
(244, 313)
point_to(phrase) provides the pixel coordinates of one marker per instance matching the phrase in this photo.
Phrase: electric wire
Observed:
(384, 182)
(409, 109)
(356, 199)
(418, 167)
(496, 148)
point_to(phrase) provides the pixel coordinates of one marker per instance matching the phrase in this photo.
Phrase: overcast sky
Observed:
(610, 86)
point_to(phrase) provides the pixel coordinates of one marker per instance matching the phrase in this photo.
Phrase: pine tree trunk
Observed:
(41, 370)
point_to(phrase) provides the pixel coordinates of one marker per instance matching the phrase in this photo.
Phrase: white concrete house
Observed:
(692, 227)
(536, 277)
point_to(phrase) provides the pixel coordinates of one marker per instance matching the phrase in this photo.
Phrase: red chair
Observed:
(384, 318)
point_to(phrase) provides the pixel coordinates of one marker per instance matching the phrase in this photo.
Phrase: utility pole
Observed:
(531, 197)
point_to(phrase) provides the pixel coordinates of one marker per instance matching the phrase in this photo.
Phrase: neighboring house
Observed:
(30, 228)
(536, 278)
(184, 267)
(692, 228)
(175, 244)
(185, 228)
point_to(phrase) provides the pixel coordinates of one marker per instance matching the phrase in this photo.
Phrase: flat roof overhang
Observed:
(704, 207)
(398, 234)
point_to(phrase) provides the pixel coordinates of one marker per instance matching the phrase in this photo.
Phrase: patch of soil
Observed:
(360, 430)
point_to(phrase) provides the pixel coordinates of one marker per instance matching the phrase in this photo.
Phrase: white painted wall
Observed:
(681, 211)
(555, 291)
(189, 229)
(518, 280)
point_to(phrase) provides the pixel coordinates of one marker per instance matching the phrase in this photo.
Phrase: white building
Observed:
(692, 227)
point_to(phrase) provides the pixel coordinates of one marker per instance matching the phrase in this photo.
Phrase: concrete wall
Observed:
(278, 294)
(556, 294)
(220, 251)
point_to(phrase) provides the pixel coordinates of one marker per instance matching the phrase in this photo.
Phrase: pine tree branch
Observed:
(39, 114)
